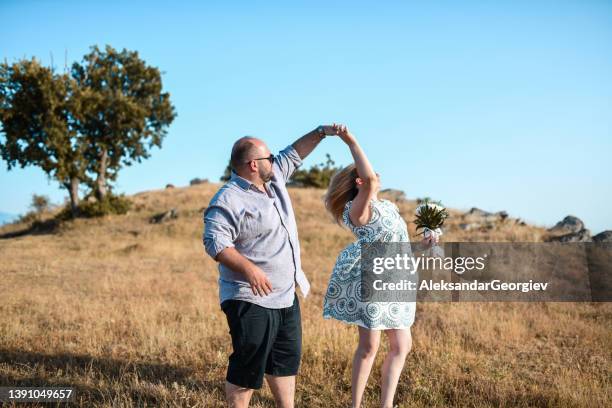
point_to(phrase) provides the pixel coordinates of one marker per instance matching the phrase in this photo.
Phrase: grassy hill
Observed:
(127, 311)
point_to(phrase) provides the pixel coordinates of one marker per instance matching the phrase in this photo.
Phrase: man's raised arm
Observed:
(306, 144)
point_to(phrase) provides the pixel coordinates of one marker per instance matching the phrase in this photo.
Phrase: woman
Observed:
(352, 201)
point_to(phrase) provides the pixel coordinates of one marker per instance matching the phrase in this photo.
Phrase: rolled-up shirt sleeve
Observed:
(286, 162)
(219, 229)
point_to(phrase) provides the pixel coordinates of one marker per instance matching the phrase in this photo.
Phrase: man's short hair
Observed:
(241, 151)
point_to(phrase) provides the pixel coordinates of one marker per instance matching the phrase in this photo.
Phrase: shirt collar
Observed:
(244, 183)
(241, 181)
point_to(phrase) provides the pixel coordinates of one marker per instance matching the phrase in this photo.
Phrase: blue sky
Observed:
(499, 105)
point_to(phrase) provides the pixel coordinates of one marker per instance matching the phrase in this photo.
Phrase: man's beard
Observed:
(265, 176)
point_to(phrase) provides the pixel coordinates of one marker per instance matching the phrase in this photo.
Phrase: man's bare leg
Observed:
(237, 397)
(283, 389)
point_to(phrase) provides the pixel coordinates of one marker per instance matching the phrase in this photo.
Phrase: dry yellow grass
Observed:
(127, 312)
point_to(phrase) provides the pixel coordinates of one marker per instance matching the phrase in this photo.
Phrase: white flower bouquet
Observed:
(430, 217)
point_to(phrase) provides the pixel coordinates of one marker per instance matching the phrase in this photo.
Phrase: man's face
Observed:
(264, 167)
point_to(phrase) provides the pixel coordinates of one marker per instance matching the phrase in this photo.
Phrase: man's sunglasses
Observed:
(270, 158)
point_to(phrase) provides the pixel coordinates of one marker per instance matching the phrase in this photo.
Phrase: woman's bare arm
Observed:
(360, 212)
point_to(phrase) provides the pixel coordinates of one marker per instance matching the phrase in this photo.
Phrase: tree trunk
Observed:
(73, 189)
(101, 179)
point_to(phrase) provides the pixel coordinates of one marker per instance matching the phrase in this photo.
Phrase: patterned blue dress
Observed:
(342, 299)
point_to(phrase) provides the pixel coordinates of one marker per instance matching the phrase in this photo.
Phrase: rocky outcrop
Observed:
(584, 235)
(482, 215)
(568, 225)
(605, 236)
(163, 217)
(569, 229)
(476, 218)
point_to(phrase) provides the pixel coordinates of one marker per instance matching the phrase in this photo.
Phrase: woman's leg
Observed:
(400, 343)
(365, 354)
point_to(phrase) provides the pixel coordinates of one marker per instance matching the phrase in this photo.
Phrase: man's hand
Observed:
(306, 144)
(260, 284)
(329, 130)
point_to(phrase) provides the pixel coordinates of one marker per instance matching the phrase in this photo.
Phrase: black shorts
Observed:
(264, 341)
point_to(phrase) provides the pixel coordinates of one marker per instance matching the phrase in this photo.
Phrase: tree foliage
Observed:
(318, 175)
(227, 173)
(122, 113)
(40, 203)
(81, 126)
(38, 124)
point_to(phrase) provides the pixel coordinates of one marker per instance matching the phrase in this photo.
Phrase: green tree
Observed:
(122, 111)
(227, 173)
(37, 125)
(83, 125)
(40, 203)
(318, 175)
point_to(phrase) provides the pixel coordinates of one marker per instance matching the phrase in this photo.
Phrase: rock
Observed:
(169, 185)
(569, 229)
(477, 219)
(478, 215)
(394, 195)
(569, 225)
(163, 217)
(466, 226)
(477, 226)
(477, 212)
(584, 235)
(605, 236)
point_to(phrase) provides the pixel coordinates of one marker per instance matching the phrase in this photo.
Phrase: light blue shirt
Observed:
(261, 226)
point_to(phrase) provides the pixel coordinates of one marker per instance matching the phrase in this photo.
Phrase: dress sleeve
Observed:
(345, 214)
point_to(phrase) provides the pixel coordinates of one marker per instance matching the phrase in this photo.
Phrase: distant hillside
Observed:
(7, 217)
(473, 225)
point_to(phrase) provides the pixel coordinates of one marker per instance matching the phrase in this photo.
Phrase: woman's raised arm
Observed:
(367, 182)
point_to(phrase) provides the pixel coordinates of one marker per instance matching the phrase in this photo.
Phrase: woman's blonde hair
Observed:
(342, 189)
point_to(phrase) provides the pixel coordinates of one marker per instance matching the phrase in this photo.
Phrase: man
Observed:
(250, 230)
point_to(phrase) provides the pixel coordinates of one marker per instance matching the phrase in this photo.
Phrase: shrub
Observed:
(198, 180)
(40, 203)
(28, 217)
(424, 200)
(227, 173)
(317, 176)
(110, 204)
